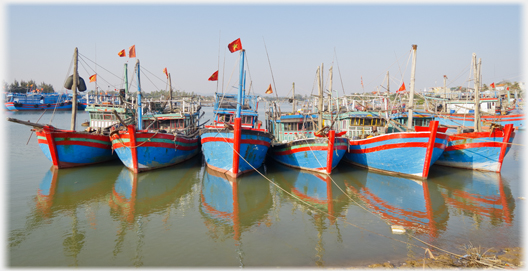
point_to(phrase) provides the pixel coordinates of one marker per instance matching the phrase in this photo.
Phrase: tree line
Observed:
(27, 86)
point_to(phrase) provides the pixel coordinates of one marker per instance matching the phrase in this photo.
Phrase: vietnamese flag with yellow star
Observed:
(214, 77)
(235, 46)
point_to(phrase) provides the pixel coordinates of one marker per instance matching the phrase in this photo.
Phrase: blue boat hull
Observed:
(309, 154)
(218, 150)
(397, 153)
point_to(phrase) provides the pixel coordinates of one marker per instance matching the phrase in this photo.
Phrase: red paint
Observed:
(51, 145)
(304, 149)
(433, 128)
(474, 145)
(133, 147)
(237, 133)
(507, 134)
(330, 155)
(390, 146)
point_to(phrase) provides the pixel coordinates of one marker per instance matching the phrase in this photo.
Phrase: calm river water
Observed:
(187, 216)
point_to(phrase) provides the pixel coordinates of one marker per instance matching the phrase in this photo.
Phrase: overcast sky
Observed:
(361, 41)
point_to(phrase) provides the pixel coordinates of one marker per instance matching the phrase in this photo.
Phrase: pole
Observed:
(320, 102)
(411, 93)
(445, 94)
(140, 110)
(476, 124)
(240, 82)
(330, 109)
(74, 89)
(293, 90)
(170, 93)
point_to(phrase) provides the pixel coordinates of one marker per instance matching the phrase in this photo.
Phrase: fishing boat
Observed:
(235, 144)
(408, 151)
(169, 138)
(71, 148)
(39, 102)
(476, 149)
(301, 141)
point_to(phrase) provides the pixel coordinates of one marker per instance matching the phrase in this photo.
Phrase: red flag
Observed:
(269, 90)
(361, 81)
(93, 78)
(492, 85)
(214, 77)
(132, 51)
(508, 88)
(165, 72)
(235, 46)
(402, 88)
(121, 53)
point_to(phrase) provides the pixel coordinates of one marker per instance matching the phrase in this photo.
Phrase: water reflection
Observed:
(415, 205)
(61, 193)
(231, 206)
(154, 193)
(476, 194)
(317, 191)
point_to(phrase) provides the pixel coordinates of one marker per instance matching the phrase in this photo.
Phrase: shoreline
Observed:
(511, 258)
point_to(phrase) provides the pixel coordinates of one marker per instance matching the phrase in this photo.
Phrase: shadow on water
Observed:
(61, 193)
(138, 196)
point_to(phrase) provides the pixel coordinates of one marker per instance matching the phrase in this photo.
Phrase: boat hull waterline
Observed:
(142, 151)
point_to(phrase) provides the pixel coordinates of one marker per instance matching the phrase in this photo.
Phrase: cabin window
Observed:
(108, 116)
(177, 124)
(247, 119)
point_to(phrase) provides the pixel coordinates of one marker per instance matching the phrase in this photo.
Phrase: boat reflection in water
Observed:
(415, 205)
(141, 197)
(64, 192)
(476, 194)
(318, 192)
(231, 206)
(141, 194)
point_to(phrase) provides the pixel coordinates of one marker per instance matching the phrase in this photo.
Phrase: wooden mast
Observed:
(170, 93)
(320, 102)
(74, 89)
(476, 84)
(411, 93)
(293, 93)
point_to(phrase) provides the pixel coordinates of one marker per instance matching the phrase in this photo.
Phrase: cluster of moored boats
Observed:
(316, 137)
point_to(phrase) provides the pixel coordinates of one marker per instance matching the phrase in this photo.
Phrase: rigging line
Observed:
(228, 82)
(339, 70)
(218, 64)
(318, 210)
(148, 78)
(249, 72)
(144, 69)
(269, 63)
(99, 65)
(99, 77)
(223, 71)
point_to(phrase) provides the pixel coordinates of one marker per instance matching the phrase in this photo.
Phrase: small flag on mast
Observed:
(235, 46)
(492, 85)
(121, 53)
(269, 90)
(93, 78)
(132, 51)
(214, 77)
(402, 88)
(165, 72)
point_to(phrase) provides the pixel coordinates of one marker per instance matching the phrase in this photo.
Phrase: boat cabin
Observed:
(359, 125)
(292, 126)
